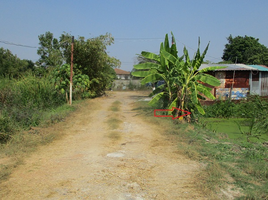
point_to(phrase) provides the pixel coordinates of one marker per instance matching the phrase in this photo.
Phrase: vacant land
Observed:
(107, 152)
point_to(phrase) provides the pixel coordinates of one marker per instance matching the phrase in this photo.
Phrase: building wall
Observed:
(123, 76)
(238, 80)
(264, 83)
(124, 84)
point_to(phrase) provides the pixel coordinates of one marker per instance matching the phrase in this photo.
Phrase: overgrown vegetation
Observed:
(20, 141)
(254, 111)
(233, 168)
(183, 81)
(35, 94)
(23, 103)
(28, 90)
(12, 66)
(92, 63)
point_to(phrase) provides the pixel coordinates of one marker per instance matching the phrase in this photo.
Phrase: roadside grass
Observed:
(233, 168)
(229, 126)
(23, 142)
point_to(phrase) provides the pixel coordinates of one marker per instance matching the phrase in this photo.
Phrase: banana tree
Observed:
(184, 82)
(189, 82)
(160, 69)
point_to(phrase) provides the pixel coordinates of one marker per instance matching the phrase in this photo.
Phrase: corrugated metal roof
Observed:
(229, 67)
(259, 67)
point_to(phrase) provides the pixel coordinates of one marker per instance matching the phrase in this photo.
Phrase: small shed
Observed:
(121, 74)
(239, 80)
(259, 80)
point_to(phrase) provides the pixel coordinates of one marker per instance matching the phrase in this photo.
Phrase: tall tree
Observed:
(90, 57)
(11, 65)
(245, 50)
(50, 50)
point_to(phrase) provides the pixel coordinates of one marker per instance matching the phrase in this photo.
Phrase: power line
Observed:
(138, 38)
(20, 45)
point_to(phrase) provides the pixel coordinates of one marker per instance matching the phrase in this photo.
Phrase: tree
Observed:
(183, 79)
(12, 66)
(49, 50)
(90, 57)
(245, 50)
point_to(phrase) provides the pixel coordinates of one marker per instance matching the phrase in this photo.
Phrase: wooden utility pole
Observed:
(71, 75)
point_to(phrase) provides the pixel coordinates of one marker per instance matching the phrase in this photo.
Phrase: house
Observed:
(121, 74)
(239, 80)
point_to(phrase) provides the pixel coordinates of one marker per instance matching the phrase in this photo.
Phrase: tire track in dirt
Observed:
(87, 164)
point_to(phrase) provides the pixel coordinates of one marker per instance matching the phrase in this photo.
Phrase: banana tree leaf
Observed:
(169, 56)
(187, 58)
(204, 53)
(205, 87)
(194, 94)
(174, 50)
(147, 65)
(205, 91)
(157, 90)
(210, 69)
(173, 104)
(199, 108)
(179, 65)
(200, 97)
(166, 47)
(197, 60)
(151, 78)
(206, 78)
(141, 73)
(150, 55)
(156, 98)
(196, 64)
(163, 63)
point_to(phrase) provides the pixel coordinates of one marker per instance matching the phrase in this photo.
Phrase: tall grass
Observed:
(22, 102)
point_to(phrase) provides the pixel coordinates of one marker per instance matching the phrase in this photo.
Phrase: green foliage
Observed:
(221, 109)
(22, 102)
(255, 109)
(183, 82)
(245, 50)
(50, 50)
(90, 57)
(12, 66)
(60, 78)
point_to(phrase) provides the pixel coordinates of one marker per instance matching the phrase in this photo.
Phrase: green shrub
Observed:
(224, 109)
(23, 101)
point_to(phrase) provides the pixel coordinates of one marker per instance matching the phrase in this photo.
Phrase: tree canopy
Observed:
(11, 65)
(245, 50)
(90, 57)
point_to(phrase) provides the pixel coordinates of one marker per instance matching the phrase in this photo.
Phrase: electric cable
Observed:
(20, 45)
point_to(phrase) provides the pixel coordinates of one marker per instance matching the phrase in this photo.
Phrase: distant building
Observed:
(239, 80)
(121, 74)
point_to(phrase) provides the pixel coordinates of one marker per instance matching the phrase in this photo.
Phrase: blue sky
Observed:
(136, 25)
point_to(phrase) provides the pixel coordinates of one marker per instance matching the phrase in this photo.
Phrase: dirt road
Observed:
(92, 161)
